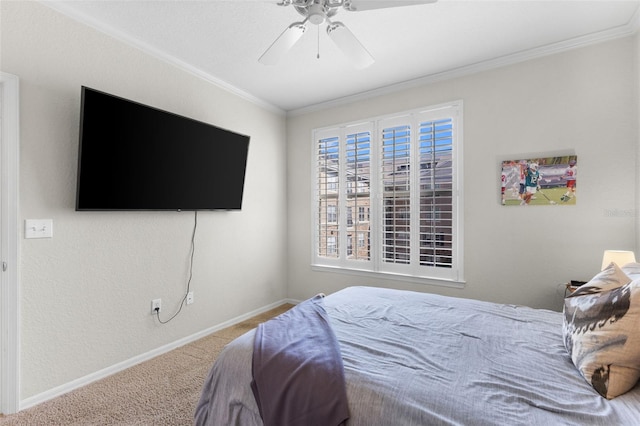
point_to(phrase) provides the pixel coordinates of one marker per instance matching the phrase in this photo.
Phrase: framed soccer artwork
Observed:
(545, 181)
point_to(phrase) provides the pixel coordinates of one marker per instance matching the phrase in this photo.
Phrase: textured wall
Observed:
(584, 100)
(86, 292)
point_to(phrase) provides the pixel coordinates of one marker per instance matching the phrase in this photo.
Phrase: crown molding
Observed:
(611, 34)
(618, 32)
(152, 51)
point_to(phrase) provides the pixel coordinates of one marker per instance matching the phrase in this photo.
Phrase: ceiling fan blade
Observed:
(283, 43)
(349, 44)
(360, 5)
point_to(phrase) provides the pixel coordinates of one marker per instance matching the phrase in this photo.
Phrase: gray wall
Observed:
(583, 101)
(86, 292)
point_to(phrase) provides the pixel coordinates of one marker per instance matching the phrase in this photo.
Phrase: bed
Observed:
(412, 358)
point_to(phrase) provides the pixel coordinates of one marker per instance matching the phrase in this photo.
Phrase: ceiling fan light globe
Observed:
(316, 19)
(316, 14)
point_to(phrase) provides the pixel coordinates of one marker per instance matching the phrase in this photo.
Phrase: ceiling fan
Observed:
(317, 12)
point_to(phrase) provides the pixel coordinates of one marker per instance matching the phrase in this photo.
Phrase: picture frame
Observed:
(540, 181)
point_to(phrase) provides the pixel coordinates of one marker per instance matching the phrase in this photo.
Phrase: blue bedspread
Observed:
(298, 376)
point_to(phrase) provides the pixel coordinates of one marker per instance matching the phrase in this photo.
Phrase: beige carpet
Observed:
(161, 391)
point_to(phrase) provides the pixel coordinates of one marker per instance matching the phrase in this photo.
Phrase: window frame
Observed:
(375, 266)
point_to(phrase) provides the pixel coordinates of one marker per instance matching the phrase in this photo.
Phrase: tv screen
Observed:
(135, 157)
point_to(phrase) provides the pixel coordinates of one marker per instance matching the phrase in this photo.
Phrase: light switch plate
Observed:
(38, 228)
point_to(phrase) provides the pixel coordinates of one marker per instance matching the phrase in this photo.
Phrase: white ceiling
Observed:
(221, 40)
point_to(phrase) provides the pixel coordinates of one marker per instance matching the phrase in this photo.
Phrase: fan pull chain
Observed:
(318, 56)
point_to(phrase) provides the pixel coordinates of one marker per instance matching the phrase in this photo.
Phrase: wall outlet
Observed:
(189, 298)
(156, 304)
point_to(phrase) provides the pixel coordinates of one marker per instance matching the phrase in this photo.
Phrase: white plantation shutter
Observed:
(358, 195)
(327, 186)
(342, 190)
(395, 174)
(387, 195)
(436, 196)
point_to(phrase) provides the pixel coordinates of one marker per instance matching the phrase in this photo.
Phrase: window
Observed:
(363, 214)
(331, 248)
(393, 183)
(332, 214)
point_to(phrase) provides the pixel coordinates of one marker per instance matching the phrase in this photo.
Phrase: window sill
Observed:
(390, 276)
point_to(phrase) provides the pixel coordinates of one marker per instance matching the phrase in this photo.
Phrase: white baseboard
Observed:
(105, 372)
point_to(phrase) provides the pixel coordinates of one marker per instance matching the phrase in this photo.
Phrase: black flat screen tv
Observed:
(136, 157)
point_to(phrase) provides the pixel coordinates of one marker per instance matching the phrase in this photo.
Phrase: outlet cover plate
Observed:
(156, 303)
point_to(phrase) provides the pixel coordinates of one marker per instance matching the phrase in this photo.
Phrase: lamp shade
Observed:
(619, 257)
